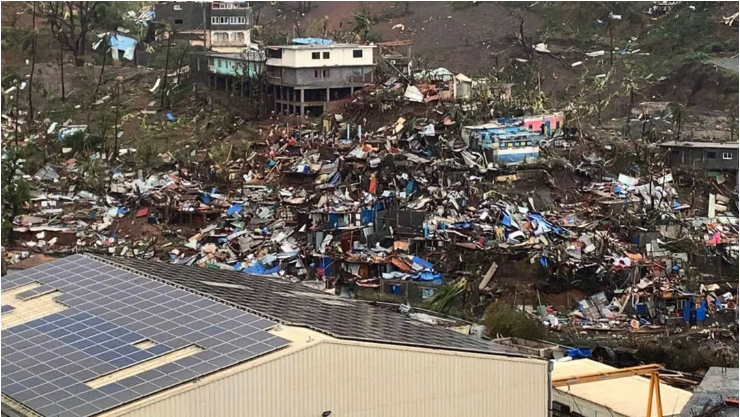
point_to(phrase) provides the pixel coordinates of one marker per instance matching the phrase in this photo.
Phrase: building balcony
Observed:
(277, 62)
(217, 43)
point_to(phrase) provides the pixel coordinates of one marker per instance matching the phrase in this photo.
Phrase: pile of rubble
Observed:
(345, 205)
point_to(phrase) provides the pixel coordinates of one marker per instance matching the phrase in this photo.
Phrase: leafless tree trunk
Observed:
(118, 113)
(72, 32)
(61, 70)
(179, 65)
(102, 69)
(525, 46)
(33, 67)
(17, 109)
(166, 69)
(611, 42)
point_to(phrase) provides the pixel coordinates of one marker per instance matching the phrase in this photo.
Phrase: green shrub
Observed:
(500, 319)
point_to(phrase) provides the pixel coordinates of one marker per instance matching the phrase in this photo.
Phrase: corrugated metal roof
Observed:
(684, 144)
(296, 304)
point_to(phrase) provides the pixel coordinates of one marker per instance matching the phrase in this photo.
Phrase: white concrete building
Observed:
(309, 77)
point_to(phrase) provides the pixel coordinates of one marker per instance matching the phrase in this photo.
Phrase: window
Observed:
(238, 37)
(317, 74)
(557, 125)
(178, 21)
(357, 53)
(726, 155)
(530, 127)
(228, 20)
(177, 7)
(222, 6)
(516, 143)
(326, 73)
(529, 143)
(210, 61)
(315, 55)
(326, 55)
(509, 145)
(711, 155)
(220, 37)
(237, 20)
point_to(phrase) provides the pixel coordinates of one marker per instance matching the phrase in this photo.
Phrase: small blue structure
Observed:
(312, 41)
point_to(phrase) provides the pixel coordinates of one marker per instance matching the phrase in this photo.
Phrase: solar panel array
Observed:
(46, 362)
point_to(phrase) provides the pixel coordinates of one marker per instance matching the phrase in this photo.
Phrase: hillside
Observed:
(670, 63)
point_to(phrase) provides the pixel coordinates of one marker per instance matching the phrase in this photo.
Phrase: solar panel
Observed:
(6, 308)
(109, 310)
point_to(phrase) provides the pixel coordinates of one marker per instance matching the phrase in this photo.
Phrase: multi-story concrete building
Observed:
(306, 78)
(219, 26)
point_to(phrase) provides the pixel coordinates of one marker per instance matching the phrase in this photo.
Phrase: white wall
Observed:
(302, 58)
(361, 379)
(232, 45)
(585, 407)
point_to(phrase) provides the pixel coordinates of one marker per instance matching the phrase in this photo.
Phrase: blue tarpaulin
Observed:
(236, 208)
(261, 270)
(410, 188)
(334, 219)
(171, 118)
(312, 41)
(579, 353)
(205, 198)
(122, 42)
(422, 262)
(367, 216)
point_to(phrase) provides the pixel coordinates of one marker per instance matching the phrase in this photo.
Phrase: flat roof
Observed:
(81, 336)
(296, 304)
(627, 396)
(331, 46)
(683, 144)
(718, 384)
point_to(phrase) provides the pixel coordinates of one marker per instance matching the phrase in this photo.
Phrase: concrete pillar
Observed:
(328, 97)
(303, 95)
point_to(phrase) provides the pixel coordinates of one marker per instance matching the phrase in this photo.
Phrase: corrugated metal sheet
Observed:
(362, 379)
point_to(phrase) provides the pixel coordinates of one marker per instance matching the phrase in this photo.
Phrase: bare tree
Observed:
(102, 68)
(119, 81)
(73, 27)
(166, 68)
(526, 46)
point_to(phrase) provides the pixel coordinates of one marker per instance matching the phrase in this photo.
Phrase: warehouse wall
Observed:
(363, 379)
(582, 406)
